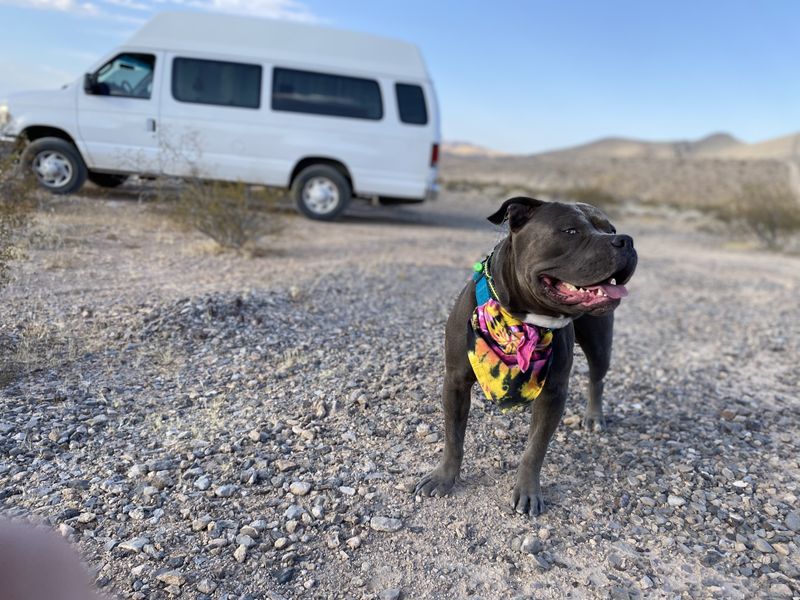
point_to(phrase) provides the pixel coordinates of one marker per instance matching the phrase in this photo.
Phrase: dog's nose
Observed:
(622, 241)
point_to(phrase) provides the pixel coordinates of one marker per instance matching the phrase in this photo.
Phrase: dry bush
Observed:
(17, 202)
(236, 216)
(770, 214)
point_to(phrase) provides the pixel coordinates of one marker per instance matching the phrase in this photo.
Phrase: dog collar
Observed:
(547, 321)
(484, 291)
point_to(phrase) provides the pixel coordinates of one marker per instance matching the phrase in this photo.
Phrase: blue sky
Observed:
(511, 75)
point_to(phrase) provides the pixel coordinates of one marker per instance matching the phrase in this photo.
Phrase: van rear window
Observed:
(411, 104)
(216, 82)
(325, 94)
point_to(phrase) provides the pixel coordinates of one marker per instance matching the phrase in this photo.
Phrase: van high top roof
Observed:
(290, 44)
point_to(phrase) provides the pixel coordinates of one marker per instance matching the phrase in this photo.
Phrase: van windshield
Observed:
(127, 75)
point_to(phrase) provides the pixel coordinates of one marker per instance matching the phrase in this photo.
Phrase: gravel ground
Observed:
(208, 426)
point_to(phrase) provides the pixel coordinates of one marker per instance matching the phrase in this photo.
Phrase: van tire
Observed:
(107, 180)
(321, 192)
(56, 164)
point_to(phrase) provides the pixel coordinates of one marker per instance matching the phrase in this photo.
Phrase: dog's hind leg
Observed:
(595, 336)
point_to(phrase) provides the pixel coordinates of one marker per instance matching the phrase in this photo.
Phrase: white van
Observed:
(330, 114)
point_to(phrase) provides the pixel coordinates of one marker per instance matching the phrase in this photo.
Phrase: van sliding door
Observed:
(213, 120)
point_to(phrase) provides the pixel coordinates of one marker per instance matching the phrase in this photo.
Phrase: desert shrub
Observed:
(236, 216)
(769, 214)
(17, 191)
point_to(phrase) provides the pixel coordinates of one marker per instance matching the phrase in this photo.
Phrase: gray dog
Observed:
(556, 278)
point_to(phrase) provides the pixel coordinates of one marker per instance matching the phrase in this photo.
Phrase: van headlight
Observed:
(5, 117)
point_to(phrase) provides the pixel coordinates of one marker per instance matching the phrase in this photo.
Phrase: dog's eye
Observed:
(570, 231)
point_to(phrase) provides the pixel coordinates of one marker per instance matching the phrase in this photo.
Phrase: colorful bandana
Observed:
(510, 357)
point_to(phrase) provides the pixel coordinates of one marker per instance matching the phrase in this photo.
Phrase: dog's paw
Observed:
(436, 483)
(527, 500)
(593, 422)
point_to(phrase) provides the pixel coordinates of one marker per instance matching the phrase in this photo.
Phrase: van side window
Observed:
(216, 82)
(127, 75)
(324, 94)
(411, 104)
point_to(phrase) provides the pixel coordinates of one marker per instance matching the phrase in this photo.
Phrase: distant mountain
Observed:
(465, 149)
(616, 147)
(784, 147)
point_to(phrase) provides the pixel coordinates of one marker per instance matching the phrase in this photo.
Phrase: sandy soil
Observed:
(152, 372)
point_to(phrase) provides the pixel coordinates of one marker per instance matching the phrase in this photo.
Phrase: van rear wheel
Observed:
(56, 164)
(321, 192)
(107, 180)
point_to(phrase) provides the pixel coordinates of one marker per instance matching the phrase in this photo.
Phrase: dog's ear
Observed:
(517, 210)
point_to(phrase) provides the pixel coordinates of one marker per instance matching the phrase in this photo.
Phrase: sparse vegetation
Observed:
(594, 195)
(16, 207)
(769, 214)
(236, 216)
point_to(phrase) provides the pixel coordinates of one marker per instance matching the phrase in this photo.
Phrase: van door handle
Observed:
(150, 124)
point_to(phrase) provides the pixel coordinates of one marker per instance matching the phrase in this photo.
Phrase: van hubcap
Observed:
(320, 195)
(52, 168)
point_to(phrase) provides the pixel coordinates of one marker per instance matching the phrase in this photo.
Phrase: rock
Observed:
(240, 553)
(245, 540)
(792, 521)
(281, 542)
(65, 530)
(175, 578)
(206, 586)
(353, 542)
(300, 488)
(249, 530)
(134, 545)
(386, 524)
(86, 517)
(763, 546)
(295, 511)
(285, 576)
(531, 544)
(347, 491)
(675, 501)
(202, 483)
(225, 491)
(390, 594)
(201, 523)
(780, 590)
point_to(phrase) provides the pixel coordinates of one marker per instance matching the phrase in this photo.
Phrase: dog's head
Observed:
(568, 259)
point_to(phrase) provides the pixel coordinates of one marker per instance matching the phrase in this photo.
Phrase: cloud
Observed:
(72, 6)
(135, 10)
(274, 9)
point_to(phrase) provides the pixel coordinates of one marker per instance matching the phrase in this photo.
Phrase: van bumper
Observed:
(7, 138)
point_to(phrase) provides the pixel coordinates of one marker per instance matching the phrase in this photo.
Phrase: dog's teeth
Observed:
(570, 287)
(613, 281)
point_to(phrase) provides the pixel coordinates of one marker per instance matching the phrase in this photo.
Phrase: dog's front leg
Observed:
(456, 402)
(545, 417)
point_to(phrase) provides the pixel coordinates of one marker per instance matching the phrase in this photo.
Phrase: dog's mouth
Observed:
(597, 295)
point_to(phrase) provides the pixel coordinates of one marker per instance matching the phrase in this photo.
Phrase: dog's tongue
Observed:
(614, 291)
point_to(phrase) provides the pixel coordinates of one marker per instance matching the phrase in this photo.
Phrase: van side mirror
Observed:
(89, 83)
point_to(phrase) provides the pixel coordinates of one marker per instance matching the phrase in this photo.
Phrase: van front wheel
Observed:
(56, 164)
(321, 192)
